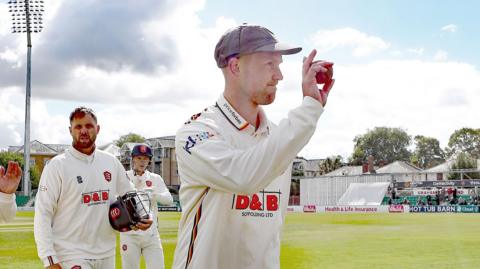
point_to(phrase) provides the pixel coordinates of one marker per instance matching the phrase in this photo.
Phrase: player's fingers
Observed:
(142, 227)
(17, 169)
(307, 62)
(322, 66)
(2, 171)
(323, 63)
(328, 86)
(144, 224)
(313, 70)
(325, 91)
(13, 169)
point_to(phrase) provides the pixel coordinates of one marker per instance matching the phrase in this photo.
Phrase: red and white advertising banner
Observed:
(399, 208)
(309, 208)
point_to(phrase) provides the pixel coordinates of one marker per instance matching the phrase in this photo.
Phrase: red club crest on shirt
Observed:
(107, 175)
(124, 247)
(76, 267)
(149, 183)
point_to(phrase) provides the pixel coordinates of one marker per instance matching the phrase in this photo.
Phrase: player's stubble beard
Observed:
(269, 93)
(84, 142)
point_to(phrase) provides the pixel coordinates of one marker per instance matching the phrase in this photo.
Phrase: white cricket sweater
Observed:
(72, 204)
(235, 185)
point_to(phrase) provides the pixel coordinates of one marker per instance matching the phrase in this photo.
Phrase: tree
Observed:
(465, 140)
(129, 138)
(427, 152)
(17, 157)
(464, 161)
(330, 164)
(383, 143)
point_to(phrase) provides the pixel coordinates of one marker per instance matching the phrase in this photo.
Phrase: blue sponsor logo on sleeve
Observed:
(193, 140)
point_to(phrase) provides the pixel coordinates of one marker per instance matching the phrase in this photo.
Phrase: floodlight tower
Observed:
(27, 18)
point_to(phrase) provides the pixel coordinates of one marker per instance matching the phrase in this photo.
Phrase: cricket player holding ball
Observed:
(234, 164)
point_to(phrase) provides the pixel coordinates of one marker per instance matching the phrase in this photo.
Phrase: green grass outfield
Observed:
(320, 241)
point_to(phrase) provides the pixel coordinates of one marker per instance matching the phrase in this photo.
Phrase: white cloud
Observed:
(157, 102)
(451, 28)
(440, 55)
(424, 97)
(360, 43)
(5, 21)
(416, 51)
(10, 117)
(432, 98)
(43, 126)
(11, 57)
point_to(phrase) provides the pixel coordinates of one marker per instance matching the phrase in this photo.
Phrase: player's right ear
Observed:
(233, 66)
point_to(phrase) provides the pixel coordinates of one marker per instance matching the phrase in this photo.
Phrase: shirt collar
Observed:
(231, 114)
(239, 122)
(81, 156)
(144, 175)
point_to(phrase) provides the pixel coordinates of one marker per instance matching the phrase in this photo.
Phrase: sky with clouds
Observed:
(146, 66)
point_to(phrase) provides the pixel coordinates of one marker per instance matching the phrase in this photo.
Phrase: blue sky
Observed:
(146, 66)
(405, 24)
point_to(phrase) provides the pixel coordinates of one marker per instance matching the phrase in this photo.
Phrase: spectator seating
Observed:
(413, 199)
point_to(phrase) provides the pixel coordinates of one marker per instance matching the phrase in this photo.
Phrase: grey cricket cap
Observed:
(246, 39)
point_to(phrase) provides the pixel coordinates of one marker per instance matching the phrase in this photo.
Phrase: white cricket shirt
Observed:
(235, 184)
(72, 205)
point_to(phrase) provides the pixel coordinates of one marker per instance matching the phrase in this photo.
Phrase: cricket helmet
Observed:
(142, 150)
(129, 209)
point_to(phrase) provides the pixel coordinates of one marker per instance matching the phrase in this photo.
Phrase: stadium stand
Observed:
(413, 200)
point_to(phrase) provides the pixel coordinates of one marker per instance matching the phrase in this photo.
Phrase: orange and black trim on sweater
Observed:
(194, 233)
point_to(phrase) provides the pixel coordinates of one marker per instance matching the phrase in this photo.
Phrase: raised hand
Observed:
(9, 181)
(309, 81)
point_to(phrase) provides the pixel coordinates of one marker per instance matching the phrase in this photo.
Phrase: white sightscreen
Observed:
(325, 191)
(364, 194)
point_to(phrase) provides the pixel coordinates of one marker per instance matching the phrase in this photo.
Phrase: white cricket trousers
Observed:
(132, 246)
(107, 263)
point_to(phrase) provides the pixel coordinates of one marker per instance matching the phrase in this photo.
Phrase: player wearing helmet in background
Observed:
(133, 244)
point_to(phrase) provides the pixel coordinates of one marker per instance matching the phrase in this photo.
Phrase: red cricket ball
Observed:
(323, 77)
